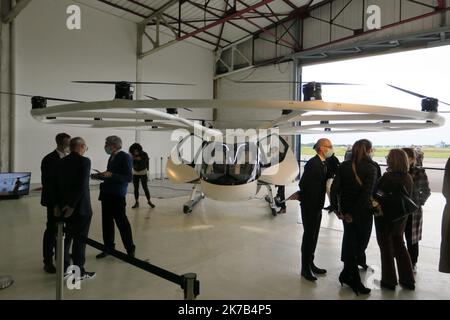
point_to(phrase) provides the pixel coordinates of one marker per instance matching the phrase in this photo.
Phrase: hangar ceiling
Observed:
(250, 33)
(216, 23)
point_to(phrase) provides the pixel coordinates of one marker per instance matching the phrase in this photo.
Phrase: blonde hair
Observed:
(397, 161)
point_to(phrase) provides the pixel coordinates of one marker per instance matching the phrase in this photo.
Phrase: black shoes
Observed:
(136, 205)
(317, 270)
(282, 211)
(387, 286)
(411, 287)
(49, 268)
(308, 275)
(354, 283)
(101, 255)
(87, 275)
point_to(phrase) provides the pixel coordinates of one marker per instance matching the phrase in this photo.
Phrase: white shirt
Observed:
(61, 154)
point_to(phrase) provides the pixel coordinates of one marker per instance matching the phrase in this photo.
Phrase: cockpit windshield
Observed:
(230, 164)
(235, 163)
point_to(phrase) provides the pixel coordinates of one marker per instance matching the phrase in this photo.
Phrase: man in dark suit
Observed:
(74, 202)
(312, 197)
(48, 179)
(113, 191)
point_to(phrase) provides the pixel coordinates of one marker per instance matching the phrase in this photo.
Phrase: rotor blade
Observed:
(65, 100)
(31, 96)
(409, 92)
(303, 82)
(17, 94)
(134, 82)
(448, 104)
(158, 99)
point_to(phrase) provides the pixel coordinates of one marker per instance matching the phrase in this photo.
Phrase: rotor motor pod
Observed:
(38, 102)
(312, 91)
(430, 105)
(124, 90)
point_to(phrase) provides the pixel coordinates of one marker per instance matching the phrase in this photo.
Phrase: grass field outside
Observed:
(429, 152)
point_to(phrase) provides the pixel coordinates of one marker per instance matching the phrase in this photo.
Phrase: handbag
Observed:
(396, 205)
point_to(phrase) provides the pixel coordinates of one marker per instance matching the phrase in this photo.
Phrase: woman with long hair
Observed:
(140, 173)
(351, 199)
(390, 233)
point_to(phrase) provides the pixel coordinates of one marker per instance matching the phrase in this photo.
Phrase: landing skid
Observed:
(195, 199)
(269, 198)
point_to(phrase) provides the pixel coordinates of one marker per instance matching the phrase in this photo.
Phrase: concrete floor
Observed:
(238, 250)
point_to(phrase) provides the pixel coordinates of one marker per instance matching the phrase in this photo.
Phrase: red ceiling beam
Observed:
(225, 19)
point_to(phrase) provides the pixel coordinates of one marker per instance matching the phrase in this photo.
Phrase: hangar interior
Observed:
(237, 249)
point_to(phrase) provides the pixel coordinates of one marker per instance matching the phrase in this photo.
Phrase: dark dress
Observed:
(444, 262)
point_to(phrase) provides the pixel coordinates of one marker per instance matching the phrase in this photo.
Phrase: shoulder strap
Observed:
(356, 175)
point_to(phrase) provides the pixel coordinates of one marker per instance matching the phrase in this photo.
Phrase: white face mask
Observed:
(329, 153)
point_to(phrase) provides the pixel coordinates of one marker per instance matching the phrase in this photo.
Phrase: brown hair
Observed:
(361, 150)
(410, 152)
(397, 161)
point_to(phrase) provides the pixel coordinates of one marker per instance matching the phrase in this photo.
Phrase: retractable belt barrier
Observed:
(385, 165)
(188, 282)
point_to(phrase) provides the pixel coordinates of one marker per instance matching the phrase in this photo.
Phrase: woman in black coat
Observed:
(390, 233)
(351, 199)
(444, 261)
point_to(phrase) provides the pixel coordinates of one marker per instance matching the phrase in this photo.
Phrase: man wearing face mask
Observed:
(49, 166)
(113, 191)
(312, 197)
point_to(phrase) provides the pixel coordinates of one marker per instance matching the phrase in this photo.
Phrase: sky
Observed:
(425, 71)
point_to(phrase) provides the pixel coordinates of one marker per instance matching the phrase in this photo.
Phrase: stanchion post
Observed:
(190, 286)
(60, 262)
(162, 178)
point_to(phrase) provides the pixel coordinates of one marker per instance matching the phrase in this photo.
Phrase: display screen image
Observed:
(15, 184)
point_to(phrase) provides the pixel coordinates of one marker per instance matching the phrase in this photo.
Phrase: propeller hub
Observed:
(173, 111)
(38, 102)
(312, 91)
(124, 90)
(430, 105)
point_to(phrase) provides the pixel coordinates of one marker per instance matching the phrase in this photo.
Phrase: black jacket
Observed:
(313, 184)
(446, 186)
(49, 166)
(143, 163)
(73, 184)
(394, 182)
(347, 195)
